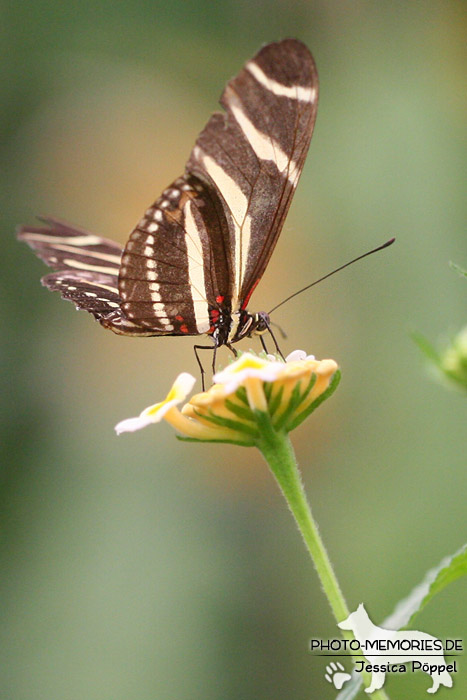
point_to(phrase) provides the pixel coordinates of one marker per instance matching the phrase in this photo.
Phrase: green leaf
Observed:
(454, 359)
(451, 363)
(427, 348)
(460, 271)
(449, 569)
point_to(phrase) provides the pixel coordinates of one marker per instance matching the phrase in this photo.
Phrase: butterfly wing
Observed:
(206, 242)
(174, 266)
(253, 154)
(65, 247)
(202, 247)
(87, 270)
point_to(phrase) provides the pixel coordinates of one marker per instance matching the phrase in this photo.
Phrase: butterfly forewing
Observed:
(253, 155)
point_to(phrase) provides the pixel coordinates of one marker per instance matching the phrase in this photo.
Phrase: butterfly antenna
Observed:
(370, 252)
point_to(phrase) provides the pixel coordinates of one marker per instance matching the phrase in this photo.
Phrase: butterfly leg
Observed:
(279, 351)
(205, 347)
(214, 360)
(263, 343)
(232, 349)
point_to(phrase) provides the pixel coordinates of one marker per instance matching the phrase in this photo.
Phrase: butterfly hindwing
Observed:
(174, 266)
(87, 270)
(65, 247)
(91, 292)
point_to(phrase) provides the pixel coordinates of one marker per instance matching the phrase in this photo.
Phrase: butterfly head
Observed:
(261, 323)
(246, 325)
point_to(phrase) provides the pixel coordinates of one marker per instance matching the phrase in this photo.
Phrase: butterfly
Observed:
(194, 259)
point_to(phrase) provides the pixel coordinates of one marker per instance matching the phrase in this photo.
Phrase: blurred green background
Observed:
(142, 568)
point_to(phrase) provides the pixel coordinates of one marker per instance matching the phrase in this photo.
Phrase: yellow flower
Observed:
(249, 389)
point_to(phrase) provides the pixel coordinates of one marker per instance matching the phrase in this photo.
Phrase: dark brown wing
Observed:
(206, 241)
(254, 154)
(87, 270)
(65, 247)
(174, 266)
(203, 246)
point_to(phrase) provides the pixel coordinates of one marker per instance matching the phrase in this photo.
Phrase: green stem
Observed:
(278, 452)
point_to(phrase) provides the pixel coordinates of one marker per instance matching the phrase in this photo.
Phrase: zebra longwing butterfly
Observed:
(193, 261)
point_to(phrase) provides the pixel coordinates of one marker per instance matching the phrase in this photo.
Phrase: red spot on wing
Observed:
(247, 298)
(184, 328)
(220, 298)
(179, 318)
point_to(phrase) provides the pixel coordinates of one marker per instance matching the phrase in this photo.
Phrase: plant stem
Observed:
(278, 452)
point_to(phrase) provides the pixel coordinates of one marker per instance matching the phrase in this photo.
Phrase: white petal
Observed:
(183, 385)
(153, 414)
(232, 380)
(298, 355)
(129, 425)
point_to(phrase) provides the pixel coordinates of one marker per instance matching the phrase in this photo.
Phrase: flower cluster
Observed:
(249, 388)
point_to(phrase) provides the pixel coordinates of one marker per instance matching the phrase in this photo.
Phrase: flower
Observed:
(154, 414)
(249, 390)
